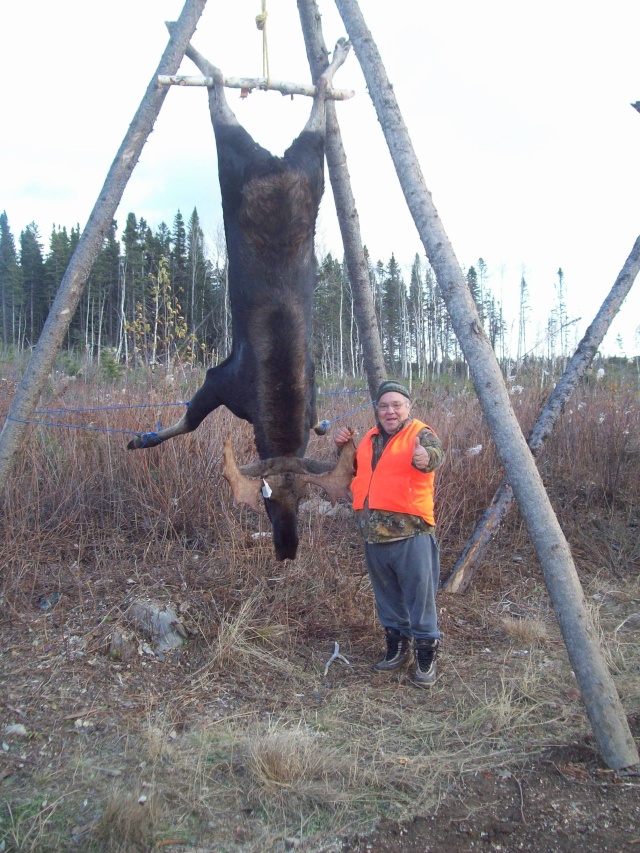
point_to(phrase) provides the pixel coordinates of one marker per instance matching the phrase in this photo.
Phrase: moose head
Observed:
(281, 483)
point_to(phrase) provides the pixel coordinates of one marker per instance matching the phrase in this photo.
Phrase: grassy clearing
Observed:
(239, 740)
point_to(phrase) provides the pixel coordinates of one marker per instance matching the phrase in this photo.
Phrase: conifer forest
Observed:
(157, 296)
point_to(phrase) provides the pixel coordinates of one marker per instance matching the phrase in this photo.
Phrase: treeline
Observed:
(156, 296)
(152, 296)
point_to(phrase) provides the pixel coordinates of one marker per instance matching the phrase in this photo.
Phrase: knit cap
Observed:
(392, 385)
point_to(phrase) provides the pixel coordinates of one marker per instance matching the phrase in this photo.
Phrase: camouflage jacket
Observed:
(379, 525)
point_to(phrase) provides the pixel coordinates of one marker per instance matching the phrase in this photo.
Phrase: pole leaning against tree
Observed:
(75, 278)
(345, 207)
(475, 549)
(602, 702)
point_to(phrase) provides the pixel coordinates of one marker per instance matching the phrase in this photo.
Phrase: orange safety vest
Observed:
(395, 485)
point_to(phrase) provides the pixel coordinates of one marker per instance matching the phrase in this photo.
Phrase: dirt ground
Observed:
(560, 800)
(77, 706)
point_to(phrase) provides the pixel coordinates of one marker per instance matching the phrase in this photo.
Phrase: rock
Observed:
(17, 730)
(322, 507)
(122, 645)
(159, 623)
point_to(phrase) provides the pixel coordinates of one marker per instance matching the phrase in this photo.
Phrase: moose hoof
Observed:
(147, 439)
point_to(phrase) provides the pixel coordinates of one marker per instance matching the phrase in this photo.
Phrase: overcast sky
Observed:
(520, 116)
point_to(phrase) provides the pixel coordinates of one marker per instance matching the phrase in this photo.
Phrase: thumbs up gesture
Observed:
(420, 456)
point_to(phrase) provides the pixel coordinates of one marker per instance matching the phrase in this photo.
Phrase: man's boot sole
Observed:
(376, 667)
(423, 684)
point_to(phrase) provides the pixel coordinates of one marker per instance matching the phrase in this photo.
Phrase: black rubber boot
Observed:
(426, 653)
(398, 651)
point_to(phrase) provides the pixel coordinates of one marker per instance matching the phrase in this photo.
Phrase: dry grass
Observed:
(245, 641)
(240, 739)
(525, 632)
(127, 824)
(292, 764)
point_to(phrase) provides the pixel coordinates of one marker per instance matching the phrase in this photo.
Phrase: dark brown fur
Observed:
(278, 215)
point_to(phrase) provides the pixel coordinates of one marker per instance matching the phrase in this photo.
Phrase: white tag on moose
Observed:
(266, 489)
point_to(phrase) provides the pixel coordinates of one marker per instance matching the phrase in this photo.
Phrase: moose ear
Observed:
(245, 490)
(337, 481)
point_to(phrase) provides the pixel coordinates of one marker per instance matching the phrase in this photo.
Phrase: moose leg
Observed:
(217, 100)
(221, 113)
(306, 152)
(317, 426)
(236, 148)
(317, 120)
(213, 393)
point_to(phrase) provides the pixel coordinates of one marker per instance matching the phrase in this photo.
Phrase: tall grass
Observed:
(80, 505)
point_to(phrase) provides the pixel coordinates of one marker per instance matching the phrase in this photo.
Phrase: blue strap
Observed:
(109, 408)
(73, 426)
(325, 424)
(148, 435)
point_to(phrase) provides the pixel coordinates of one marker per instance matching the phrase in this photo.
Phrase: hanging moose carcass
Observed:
(270, 205)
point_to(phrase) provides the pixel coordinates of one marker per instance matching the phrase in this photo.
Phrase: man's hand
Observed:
(342, 435)
(421, 458)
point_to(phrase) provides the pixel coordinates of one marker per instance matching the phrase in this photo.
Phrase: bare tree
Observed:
(522, 321)
(601, 699)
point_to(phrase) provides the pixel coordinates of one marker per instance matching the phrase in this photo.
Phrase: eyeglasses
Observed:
(385, 407)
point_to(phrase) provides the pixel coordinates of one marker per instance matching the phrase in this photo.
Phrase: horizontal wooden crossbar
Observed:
(250, 83)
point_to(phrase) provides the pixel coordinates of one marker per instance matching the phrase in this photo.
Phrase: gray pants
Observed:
(405, 575)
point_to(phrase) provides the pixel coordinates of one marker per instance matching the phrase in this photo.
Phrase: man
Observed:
(393, 498)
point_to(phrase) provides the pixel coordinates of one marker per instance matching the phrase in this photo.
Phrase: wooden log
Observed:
(348, 218)
(601, 699)
(248, 84)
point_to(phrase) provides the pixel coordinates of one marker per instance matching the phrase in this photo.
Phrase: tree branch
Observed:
(250, 83)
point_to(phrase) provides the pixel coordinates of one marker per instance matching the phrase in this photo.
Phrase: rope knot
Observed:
(261, 20)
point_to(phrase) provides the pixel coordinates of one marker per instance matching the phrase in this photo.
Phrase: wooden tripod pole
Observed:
(603, 705)
(475, 549)
(345, 207)
(75, 278)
